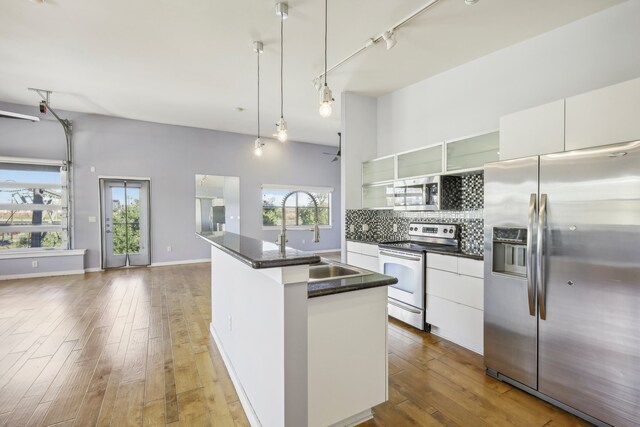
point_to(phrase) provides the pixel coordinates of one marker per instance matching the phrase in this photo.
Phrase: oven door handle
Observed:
(396, 255)
(403, 306)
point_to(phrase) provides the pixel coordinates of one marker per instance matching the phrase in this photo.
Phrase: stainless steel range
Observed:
(406, 260)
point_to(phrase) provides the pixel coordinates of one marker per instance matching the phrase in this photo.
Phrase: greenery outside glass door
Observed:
(125, 223)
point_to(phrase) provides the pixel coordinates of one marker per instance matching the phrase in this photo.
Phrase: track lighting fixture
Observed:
(282, 10)
(258, 48)
(326, 99)
(390, 38)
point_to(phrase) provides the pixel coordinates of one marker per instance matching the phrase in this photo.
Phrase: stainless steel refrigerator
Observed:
(562, 279)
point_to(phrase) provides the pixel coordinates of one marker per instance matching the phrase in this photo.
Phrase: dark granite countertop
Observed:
(257, 253)
(336, 286)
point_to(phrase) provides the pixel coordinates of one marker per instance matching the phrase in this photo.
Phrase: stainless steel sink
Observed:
(329, 271)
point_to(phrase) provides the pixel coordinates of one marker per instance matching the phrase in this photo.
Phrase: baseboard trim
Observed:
(242, 395)
(34, 275)
(93, 270)
(186, 261)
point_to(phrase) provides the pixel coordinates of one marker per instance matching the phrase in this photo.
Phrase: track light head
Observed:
(390, 39)
(282, 9)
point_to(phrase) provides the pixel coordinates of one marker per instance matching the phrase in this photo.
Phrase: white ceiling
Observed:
(191, 63)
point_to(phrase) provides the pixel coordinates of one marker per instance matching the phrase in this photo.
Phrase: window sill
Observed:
(41, 253)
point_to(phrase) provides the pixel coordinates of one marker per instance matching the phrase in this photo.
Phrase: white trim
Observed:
(309, 188)
(354, 420)
(20, 207)
(49, 186)
(93, 270)
(180, 262)
(53, 228)
(31, 161)
(31, 275)
(42, 253)
(254, 421)
(124, 178)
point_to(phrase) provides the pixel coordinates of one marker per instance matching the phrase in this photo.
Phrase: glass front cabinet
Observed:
(473, 152)
(424, 161)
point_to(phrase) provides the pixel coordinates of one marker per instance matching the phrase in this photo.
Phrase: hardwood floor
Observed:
(132, 347)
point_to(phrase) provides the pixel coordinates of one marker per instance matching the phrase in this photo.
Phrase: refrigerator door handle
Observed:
(540, 261)
(531, 291)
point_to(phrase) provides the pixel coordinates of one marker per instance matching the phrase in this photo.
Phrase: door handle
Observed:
(530, 258)
(541, 250)
(403, 306)
(395, 255)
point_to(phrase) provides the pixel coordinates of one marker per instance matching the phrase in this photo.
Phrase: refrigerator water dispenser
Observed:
(510, 251)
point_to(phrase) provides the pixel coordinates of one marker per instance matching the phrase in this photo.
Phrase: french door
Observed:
(125, 222)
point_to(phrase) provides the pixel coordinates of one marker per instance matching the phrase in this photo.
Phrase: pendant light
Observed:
(258, 144)
(325, 93)
(282, 9)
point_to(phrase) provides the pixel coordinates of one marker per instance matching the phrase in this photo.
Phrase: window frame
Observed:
(289, 188)
(23, 164)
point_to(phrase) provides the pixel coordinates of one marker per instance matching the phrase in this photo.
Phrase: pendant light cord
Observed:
(325, 40)
(281, 64)
(258, 56)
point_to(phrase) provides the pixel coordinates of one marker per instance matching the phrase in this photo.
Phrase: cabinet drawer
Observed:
(471, 267)
(456, 322)
(455, 287)
(354, 247)
(442, 262)
(362, 261)
(370, 249)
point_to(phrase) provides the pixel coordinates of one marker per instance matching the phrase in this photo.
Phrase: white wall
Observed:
(358, 145)
(171, 156)
(590, 53)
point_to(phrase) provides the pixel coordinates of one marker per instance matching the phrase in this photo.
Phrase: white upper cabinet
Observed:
(604, 116)
(425, 161)
(378, 170)
(531, 132)
(473, 152)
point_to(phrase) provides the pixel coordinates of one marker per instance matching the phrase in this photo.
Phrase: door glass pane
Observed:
(378, 170)
(473, 152)
(133, 220)
(119, 220)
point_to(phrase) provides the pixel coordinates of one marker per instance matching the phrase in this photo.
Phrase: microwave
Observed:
(419, 194)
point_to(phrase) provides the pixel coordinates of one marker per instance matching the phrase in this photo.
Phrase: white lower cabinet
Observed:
(455, 300)
(363, 255)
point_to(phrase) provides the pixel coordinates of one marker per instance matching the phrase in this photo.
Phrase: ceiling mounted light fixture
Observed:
(326, 98)
(470, 2)
(390, 38)
(282, 10)
(258, 144)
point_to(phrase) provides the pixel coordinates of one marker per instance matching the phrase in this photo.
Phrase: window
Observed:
(33, 203)
(299, 210)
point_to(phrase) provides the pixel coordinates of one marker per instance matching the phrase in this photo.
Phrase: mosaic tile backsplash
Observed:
(462, 201)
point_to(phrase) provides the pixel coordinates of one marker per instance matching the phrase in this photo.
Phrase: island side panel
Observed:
(348, 357)
(252, 311)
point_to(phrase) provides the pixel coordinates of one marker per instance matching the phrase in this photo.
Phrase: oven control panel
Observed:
(447, 231)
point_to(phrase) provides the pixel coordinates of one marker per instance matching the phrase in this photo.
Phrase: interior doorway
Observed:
(124, 209)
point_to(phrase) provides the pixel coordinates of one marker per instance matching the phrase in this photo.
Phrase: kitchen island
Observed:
(298, 352)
